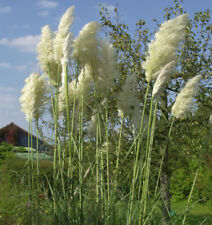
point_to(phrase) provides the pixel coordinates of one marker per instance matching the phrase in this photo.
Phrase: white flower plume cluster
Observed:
(94, 56)
(97, 57)
(66, 57)
(127, 101)
(62, 33)
(163, 49)
(136, 122)
(162, 79)
(51, 48)
(82, 85)
(98, 53)
(56, 51)
(184, 100)
(46, 54)
(77, 88)
(33, 97)
(86, 44)
(95, 124)
(106, 67)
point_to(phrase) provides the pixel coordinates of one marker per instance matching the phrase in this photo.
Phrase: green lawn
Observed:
(198, 213)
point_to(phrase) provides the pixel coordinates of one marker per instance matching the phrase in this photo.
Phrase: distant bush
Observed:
(182, 180)
(181, 184)
(20, 149)
(6, 151)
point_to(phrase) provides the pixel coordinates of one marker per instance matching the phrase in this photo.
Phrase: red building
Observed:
(15, 135)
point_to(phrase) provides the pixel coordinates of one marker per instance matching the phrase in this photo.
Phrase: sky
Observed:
(20, 27)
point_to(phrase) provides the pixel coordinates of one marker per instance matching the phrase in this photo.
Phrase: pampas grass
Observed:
(89, 150)
(33, 97)
(184, 100)
(163, 49)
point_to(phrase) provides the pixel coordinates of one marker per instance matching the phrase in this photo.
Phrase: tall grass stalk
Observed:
(97, 166)
(68, 118)
(189, 197)
(118, 152)
(80, 156)
(37, 148)
(136, 165)
(163, 153)
(31, 153)
(107, 165)
(149, 145)
(72, 147)
(146, 162)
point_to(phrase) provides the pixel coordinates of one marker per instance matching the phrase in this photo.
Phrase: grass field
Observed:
(198, 213)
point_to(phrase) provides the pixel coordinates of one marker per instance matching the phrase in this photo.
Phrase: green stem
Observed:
(118, 153)
(150, 138)
(135, 167)
(189, 198)
(161, 164)
(37, 146)
(108, 172)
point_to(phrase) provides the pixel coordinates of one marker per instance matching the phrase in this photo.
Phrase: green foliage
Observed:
(182, 179)
(6, 151)
(15, 171)
(198, 213)
(181, 183)
(20, 149)
(16, 196)
(204, 185)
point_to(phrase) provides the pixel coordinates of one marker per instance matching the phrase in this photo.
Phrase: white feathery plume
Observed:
(106, 72)
(83, 84)
(62, 33)
(66, 49)
(78, 87)
(93, 126)
(184, 100)
(86, 45)
(66, 57)
(98, 54)
(33, 97)
(62, 98)
(163, 49)
(127, 100)
(46, 54)
(162, 79)
(45, 46)
(136, 121)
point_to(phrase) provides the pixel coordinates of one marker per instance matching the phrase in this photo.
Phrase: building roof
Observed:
(16, 126)
(13, 125)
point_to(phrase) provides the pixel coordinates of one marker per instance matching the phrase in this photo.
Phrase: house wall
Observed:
(16, 136)
(23, 141)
